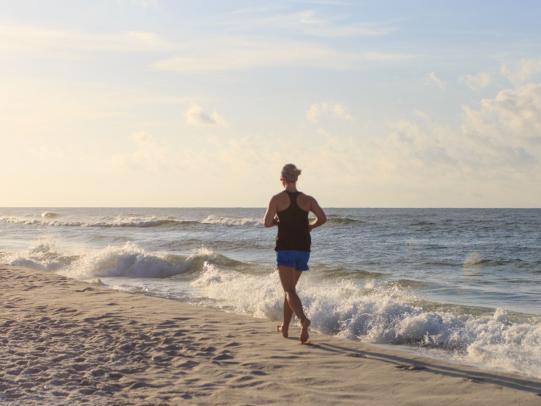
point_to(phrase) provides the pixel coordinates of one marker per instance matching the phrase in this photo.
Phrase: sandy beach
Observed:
(68, 342)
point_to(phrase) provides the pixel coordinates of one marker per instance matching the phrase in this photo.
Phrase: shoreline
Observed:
(70, 342)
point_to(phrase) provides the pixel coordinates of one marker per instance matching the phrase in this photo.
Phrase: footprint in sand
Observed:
(222, 357)
(411, 367)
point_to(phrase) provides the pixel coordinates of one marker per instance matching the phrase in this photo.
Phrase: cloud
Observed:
(238, 54)
(478, 81)
(334, 110)
(307, 22)
(33, 39)
(500, 137)
(147, 155)
(144, 4)
(512, 118)
(432, 79)
(523, 71)
(312, 23)
(196, 116)
(189, 55)
(491, 158)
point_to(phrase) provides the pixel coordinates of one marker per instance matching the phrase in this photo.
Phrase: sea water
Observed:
(459, 282)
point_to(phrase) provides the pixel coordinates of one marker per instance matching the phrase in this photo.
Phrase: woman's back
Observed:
(293, 226)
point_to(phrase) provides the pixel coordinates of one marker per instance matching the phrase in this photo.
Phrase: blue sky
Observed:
(199, 103)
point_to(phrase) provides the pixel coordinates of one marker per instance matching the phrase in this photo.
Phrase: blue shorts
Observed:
(293, 259)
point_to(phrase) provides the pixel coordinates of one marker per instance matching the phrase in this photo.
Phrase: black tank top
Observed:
(293, 232)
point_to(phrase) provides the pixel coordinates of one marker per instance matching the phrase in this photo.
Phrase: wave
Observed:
(43, 256)
(50, 220)
(384, 314)
(49, 215)
(423, 224)
(128, 260)
(232, 221)
(336, 219)
(368, 309)
(475, 259)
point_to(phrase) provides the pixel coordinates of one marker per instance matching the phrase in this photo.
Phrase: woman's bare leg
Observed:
(289, 278)
(288, 314)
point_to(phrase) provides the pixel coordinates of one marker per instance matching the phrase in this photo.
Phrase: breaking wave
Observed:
(232, 221)
(128, 260)
(53, 221)
(43, 256)
(336, 219)
(383, 313)
(49, 215)
(372, 309)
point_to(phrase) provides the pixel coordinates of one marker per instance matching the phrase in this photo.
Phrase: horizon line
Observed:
(264, 207)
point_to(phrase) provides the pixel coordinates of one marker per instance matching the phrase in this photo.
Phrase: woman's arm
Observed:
(321, 218)
(270, 216)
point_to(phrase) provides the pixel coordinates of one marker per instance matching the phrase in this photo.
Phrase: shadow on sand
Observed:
(418, 365)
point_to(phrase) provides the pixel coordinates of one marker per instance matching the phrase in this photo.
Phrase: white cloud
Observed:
(512, 118)
(491, 158)
(238, 54)
(196, 116)
(432, 79)
(307, 22)
(147, 155)
(312, 23)
(478, 81)
(189, 55)
(501, 137)
(334, 110)
(139, 3)
(523, 71)
(33, 39)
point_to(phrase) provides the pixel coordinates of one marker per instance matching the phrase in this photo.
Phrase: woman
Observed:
(289, 211)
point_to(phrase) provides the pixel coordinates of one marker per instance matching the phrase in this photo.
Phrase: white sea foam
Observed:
(50, 219)
(42, 256)
(232, 221)
(130, 260)
(49, 215)
(384, 315)
(372, 311)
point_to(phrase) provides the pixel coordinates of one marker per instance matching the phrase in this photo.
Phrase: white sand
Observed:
(66, 342)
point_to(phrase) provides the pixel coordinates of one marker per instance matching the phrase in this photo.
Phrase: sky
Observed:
(165, 103)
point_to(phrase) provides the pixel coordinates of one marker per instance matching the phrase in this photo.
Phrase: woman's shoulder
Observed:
(280, 195)
(305, 197)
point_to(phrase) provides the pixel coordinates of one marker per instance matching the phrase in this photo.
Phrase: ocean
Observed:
(458, 284)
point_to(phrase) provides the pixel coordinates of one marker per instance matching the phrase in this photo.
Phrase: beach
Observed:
(70, 342)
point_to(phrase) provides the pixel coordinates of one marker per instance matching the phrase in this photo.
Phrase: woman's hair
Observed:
(290, 173)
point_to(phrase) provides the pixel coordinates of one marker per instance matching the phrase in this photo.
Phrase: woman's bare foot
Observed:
(281, 329)
(304, 331)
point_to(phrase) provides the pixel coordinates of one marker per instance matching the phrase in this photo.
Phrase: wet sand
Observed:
(68, 342)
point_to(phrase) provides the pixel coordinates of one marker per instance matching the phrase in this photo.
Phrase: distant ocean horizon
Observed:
(458, 283)
(264, 207)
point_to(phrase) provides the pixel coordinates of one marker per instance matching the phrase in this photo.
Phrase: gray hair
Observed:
(290, 173)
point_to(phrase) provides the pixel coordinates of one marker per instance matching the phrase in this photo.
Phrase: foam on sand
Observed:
(373, 310)
(81, 343)
(385, 314)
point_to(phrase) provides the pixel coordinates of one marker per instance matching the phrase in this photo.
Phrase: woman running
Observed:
(289, 211)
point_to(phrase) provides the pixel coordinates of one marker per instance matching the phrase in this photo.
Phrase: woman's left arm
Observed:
(270, 215)
(321, 218)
